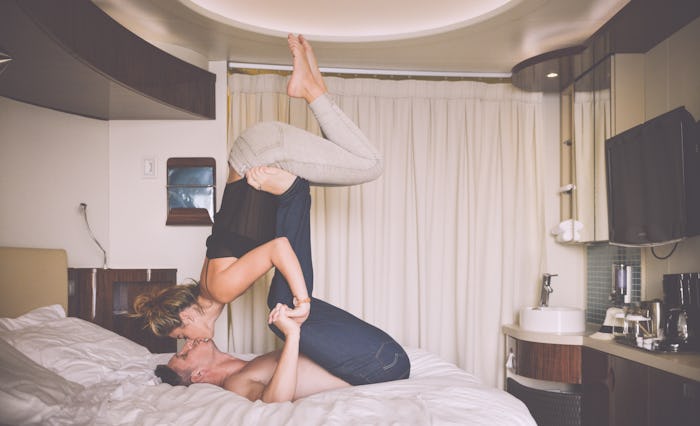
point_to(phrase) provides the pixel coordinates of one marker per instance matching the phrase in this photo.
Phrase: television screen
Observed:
(651, 169)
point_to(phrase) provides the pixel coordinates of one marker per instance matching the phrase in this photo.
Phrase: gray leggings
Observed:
(346, 157)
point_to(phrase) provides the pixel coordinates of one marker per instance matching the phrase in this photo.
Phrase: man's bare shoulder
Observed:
(250, 381)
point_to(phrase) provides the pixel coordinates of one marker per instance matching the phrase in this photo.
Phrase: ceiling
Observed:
(474, 37)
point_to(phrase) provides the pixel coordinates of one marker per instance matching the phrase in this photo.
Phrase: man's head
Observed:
(195, 363)
(174, 312)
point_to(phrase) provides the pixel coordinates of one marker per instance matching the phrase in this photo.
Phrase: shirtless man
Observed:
(272, 377)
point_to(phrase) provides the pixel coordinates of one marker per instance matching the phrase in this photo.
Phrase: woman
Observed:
(238, 251)
(242, 246)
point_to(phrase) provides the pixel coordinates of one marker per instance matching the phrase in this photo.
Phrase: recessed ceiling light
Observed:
(552, 75)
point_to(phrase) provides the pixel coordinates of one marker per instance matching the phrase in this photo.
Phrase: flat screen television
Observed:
(653, 181)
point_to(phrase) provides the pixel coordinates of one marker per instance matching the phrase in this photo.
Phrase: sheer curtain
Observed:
(437, 251)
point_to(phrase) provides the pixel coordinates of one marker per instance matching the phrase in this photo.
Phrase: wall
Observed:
(565, 260)
(672, 79)
(50, 162)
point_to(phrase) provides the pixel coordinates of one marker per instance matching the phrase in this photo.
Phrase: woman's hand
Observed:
(300, 312)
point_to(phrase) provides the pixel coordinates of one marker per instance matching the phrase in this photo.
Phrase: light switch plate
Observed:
(149, 169)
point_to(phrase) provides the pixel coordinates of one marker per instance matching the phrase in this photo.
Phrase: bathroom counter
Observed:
(686, 365)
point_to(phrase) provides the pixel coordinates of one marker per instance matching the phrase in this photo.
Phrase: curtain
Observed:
(438, 250)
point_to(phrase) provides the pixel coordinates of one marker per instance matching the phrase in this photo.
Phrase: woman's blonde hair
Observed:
(161, 310)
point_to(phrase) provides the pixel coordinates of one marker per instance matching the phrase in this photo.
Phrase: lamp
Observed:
(5, 60)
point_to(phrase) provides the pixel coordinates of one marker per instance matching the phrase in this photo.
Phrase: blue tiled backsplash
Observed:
(600, 258)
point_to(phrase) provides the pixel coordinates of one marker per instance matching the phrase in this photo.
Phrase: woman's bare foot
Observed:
(302, 83)
(270, 179)
(313, 64)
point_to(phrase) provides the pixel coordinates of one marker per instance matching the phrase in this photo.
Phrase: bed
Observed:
(59, 370)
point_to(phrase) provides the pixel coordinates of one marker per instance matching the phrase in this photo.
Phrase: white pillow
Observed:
(82, 352)
(34, 317)
(29, 393)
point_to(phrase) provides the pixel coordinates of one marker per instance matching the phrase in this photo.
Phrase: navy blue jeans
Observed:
(338, 341)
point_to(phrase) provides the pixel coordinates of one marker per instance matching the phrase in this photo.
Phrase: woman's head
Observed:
(164, 310)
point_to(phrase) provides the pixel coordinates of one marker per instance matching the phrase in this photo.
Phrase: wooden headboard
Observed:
(31, 278)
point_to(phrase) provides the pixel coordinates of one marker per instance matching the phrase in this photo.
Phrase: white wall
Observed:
(50, 162)
(53, 161)
(138, 205)
(672, 79)
(565, 260)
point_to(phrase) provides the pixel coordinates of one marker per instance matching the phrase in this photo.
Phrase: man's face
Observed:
(194, 326)
(195, 358)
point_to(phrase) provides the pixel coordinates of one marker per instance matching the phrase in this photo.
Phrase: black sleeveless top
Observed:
(245, 220)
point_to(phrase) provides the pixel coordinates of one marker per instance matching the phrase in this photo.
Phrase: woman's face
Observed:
(194, 325)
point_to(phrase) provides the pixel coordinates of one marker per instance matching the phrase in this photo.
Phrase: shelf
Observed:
(72, 57)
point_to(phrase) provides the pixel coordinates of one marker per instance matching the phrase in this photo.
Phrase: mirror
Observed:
(591, 120)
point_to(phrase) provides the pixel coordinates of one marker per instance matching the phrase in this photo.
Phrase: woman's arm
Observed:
(228, 281)
(283, 384)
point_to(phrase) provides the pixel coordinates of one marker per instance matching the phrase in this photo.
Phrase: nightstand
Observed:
(106, 297)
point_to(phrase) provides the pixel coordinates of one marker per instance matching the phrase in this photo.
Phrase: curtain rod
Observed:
(370, 72)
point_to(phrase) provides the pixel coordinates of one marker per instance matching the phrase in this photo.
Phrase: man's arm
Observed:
(282, 386)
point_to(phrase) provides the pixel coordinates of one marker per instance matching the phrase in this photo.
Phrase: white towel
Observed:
(568, 231)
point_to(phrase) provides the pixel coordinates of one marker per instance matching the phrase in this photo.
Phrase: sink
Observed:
(553, 319)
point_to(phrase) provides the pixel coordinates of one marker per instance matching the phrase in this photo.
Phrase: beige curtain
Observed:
(435, 251)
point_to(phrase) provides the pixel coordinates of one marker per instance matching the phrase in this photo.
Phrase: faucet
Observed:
(546, 289)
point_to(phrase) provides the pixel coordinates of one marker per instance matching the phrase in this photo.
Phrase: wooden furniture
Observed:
(546, 361)
(546, 377)
(106, 297)
(620, 392)
(72, 57)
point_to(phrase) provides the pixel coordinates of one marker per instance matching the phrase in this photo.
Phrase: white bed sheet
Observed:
(62, 370)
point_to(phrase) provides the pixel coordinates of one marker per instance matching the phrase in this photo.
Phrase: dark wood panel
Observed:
(673, 400)
(636, 28)
(115, 291)
(72, 57)
(557, 363)
(595, 377)
(629, 393)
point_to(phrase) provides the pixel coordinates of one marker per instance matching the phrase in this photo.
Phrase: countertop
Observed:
(682, 364)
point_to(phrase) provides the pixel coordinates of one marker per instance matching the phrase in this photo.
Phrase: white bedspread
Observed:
(69, 371)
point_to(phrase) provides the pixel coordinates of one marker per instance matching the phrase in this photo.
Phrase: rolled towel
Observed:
(571, 224)
(568, 236)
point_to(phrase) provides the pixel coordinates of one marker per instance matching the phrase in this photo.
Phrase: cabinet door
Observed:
(673, 400)
(595, 377)
(629, 393)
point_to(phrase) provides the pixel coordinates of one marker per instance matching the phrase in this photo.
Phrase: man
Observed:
(272, 377)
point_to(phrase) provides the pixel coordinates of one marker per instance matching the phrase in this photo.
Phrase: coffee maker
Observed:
(682, 306)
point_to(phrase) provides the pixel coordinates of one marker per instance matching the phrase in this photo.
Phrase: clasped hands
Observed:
(289, 320)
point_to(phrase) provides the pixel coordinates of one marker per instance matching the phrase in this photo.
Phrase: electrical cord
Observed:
(664, 257)
(83, 209)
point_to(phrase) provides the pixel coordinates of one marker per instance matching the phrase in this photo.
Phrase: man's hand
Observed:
(281, 318)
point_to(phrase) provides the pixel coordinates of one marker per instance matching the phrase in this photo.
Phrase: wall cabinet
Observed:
(106, 297)
(620, 392)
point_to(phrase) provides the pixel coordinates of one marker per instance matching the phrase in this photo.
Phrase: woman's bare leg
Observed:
(304, 83)
(344, 157)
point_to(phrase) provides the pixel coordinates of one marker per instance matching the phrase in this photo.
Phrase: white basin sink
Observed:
(553, 319)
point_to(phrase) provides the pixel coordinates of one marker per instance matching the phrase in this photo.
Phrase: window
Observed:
(191, 191)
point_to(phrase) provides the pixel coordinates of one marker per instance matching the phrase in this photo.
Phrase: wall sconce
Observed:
(5, 60)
